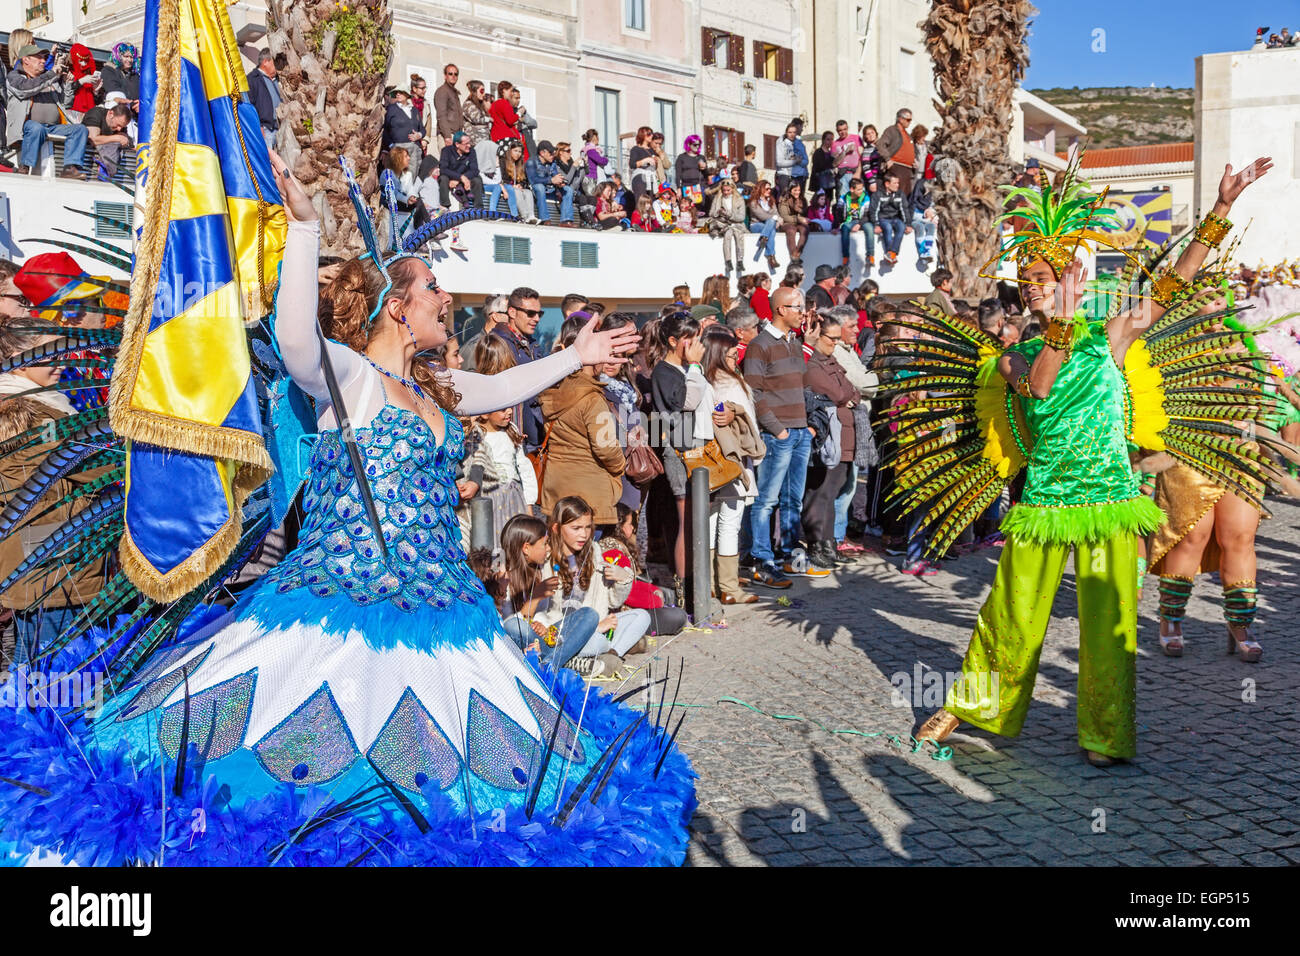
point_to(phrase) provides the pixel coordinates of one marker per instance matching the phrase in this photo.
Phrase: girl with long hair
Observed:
(677, 388)
(609, 212)
(794, 220)
(717, 291)
(764, 220)
(735, 425)
(531, 616)
(509, 480)
(587, 579)
(643, 217)
(644, 164)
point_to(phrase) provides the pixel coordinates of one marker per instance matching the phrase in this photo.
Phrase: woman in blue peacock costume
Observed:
(361, 703)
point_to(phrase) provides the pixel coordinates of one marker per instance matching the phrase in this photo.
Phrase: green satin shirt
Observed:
(1078, 452)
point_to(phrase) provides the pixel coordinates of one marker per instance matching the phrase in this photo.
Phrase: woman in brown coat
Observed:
(825, 376)
(583, 455)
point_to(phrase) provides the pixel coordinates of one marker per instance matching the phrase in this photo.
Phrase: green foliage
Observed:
(361, 45)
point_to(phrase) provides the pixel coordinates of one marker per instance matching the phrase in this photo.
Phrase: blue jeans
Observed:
(74, 144)
(564, 194)
(494, 192)
(843, 500)
(846, 238)
(891, 231)
(781, 476)
(916, 542)
(923, 233)
(576, 629)
(768, 232)
(845, 178)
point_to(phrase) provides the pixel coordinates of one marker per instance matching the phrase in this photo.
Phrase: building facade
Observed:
(1248, 105)
(862, 61)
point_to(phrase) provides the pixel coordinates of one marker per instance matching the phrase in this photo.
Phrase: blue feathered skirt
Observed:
(270, 737)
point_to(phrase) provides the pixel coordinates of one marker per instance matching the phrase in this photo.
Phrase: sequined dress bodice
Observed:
(413, 480)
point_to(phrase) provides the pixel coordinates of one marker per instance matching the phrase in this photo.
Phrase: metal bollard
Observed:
(702, 567)
(480, 523)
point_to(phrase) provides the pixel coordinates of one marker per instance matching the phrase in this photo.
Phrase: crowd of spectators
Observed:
(480, 148)
(1275, 41)
(776, 392)
(65, 95)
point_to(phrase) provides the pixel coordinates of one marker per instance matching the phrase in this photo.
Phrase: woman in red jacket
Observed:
(505, 118)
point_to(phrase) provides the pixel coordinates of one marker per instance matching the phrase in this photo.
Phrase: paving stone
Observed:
(1211, 783)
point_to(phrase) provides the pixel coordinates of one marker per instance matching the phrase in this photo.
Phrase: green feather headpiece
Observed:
(1059, 219)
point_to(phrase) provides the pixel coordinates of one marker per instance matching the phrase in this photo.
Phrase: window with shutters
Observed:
(579, 255)
(723, 142)
(113, 220)
(722, 49)
(772, 62)
(512, 250)
(769, 151)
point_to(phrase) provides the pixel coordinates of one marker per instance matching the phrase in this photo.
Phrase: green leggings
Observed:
(1002, 661)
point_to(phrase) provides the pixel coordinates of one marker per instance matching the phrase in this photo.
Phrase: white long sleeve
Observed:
(363, 388)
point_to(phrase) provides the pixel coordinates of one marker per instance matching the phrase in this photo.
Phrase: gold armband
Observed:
(1212, 229)
(1022, 386)
(1170, 288)
(1059, 334)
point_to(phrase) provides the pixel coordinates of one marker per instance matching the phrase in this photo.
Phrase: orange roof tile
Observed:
(1138, 155)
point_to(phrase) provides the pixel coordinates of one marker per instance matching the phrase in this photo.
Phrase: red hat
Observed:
(53, 280)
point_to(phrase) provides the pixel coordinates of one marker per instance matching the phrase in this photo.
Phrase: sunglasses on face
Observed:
(22, 300)
(531, 313)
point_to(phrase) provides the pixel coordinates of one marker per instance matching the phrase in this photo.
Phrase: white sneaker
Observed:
(456, 244)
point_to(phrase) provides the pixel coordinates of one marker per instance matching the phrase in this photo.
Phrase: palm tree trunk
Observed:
(332, 102)
(979, 54)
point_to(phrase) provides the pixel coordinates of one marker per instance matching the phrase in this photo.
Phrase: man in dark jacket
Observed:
(402, 127)
(459, 165)
(523, 309)
(264, 91)
(547, 180)
(891, 214)
(896, 150)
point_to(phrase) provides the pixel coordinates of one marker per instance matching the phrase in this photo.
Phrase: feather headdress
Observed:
(1058, 220)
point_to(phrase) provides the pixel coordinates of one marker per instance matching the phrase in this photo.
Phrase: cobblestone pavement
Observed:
(1215, 780)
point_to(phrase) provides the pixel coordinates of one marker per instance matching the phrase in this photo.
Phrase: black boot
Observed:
(728, 271)
(740, 269)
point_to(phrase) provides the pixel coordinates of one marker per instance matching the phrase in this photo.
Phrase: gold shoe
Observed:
(938, 727)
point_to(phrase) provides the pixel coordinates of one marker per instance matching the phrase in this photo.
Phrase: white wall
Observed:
(1248, 105)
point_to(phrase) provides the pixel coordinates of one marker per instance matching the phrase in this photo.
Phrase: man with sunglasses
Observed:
(523, 310)
(446, 102)
(13, 304)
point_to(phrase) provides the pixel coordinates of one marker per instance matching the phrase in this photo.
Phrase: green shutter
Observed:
(512, 250)
(579, 255)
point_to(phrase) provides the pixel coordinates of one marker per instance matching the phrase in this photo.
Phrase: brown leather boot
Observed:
(729, 591)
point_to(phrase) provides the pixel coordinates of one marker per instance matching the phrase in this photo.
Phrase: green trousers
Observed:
(1002, 660)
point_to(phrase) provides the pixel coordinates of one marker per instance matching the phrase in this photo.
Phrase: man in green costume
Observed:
(1072, 421)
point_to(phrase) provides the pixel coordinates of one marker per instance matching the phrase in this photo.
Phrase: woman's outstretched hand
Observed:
(1232, 184)
(297, 204)
(605, 348)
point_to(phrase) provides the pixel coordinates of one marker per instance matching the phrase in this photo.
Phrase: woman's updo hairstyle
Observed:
(348, 302)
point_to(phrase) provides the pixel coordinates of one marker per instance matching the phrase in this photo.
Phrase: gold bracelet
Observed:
(1059, 334)
(1022, 385)
(1212, 229)
(1170, 288)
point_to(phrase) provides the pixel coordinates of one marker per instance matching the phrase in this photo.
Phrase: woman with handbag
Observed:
(582, 452)
(677, 389)
(736, 432)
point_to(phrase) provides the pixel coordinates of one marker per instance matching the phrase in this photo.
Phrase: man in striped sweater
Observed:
(774, 369)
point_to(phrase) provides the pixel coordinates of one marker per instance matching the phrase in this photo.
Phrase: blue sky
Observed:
(1145, 41)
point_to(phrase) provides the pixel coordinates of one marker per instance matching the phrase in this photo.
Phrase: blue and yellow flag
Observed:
(210, 237)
